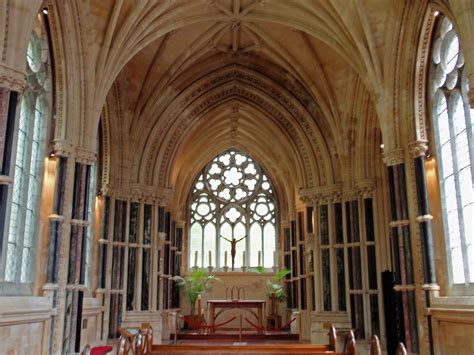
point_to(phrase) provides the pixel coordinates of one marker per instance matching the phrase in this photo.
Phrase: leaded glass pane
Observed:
(28, 160)
(233, 199)
(269, 246)
(452, 121)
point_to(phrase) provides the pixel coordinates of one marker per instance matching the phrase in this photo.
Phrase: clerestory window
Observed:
(452, 124)
(232, 199)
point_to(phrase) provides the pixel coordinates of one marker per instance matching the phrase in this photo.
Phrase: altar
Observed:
(255, 307)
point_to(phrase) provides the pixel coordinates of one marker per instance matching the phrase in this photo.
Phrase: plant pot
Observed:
(194, 318)
(274, 322)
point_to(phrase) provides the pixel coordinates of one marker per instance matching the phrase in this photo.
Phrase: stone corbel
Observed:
(394, 157)
(12, 79)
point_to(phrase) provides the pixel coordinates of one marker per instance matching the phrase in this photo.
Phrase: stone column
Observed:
(423, 219)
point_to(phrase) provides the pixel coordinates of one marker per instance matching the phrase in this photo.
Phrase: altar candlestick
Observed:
(225, 258)
(275, 258)
(259, 258)
(243, 259)
(210, 258)
(196, 258)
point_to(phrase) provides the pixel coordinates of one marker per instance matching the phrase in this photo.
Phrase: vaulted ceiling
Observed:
(296, 84)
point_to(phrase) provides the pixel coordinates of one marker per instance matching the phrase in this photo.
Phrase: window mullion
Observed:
(457, 185)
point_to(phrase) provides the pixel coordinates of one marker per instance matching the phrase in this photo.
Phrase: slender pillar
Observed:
(423, 219)
(402, 257)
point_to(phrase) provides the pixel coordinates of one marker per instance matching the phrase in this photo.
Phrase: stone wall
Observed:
(24, 325)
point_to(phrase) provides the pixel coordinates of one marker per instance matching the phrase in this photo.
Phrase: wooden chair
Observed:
(375, 346)
(137, 343)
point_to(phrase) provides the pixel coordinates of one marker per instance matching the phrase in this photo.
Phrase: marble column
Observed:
(401, 253)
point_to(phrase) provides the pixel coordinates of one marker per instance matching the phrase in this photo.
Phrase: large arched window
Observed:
(234, 199)
(452, 125)
(33, 113)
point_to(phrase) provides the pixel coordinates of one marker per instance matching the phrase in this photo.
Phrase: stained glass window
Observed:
(232, 198)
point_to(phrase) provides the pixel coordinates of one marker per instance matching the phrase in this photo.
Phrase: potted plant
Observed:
(275, 293)
(194, 285)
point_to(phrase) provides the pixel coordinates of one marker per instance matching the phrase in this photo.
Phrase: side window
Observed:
(452, 126)
(33, 117)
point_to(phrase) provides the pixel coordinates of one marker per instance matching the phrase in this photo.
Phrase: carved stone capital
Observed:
(394, 157)
(12, 79)
(180, 224)
(85, 156)
(365, 187)
(150, 194)
(322, 194)
(418, 148)
(63, 148)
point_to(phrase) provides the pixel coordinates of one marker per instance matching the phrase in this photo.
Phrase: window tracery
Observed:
(452, 122)
(233, 198)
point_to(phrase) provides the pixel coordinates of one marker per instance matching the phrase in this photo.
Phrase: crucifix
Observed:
(233, 242)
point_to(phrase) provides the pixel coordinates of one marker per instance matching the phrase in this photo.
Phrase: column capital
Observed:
(394, 156)
(322, 194)
(418, 148)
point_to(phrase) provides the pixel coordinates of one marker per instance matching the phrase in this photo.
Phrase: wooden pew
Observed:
(375, 346)
(376, 350)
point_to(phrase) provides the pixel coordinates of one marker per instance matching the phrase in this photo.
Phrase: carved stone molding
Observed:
(12, 79)
(394, 157)
(418, 148)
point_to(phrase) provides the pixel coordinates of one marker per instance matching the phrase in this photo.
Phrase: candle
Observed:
(225, 258)
(210, 258)
(196, 258)
(243, 258)
(275, 258)
(259, 258)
